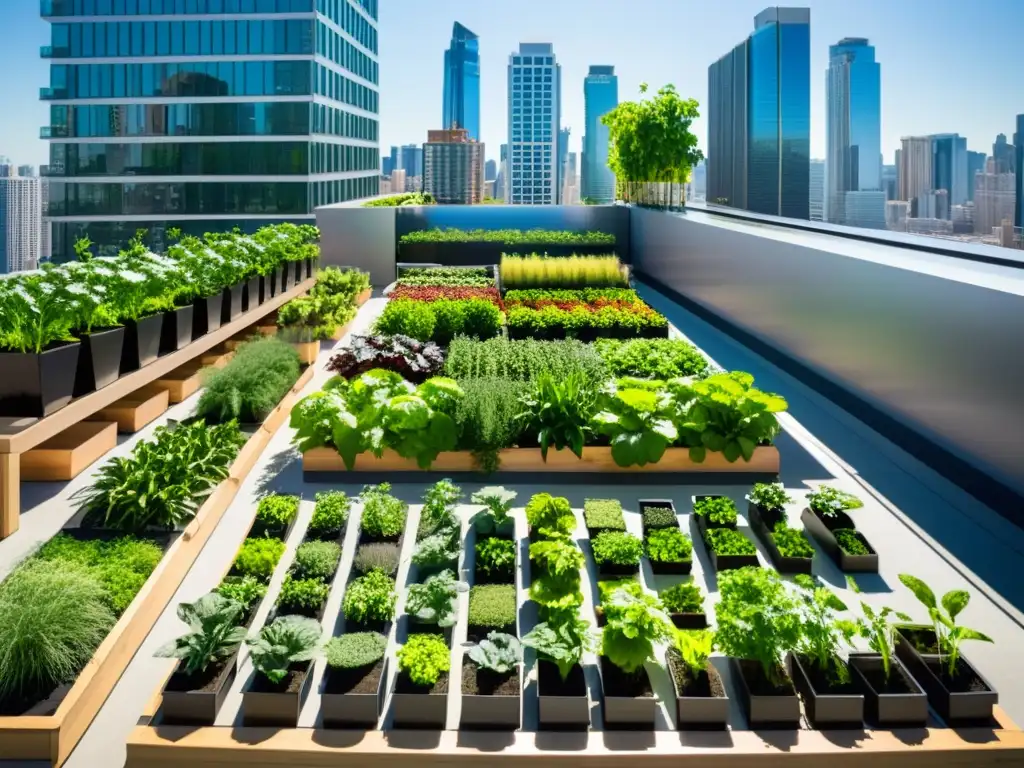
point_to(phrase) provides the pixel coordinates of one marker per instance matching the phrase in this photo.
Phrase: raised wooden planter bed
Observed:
(51, 738)
(138, 409)
(475, 254)
(66, 455)
(595, 459)
(181, 383)
(364, 297)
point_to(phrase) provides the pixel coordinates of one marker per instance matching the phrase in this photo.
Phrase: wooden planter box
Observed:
(136, 410)
(181, 383)
(65, 456)
(595, 459)
(364, 297)
(340, 331)
(827, 540)
(308, 351)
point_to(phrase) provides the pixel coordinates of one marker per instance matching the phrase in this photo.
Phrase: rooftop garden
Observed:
(407, 198)
(509, 237)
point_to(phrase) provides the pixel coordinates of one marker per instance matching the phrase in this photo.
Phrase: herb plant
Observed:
(828, 501)
(486, 418)
(289, 640)
(380, 556)
(550, 516)
(729, 541)
(603, 515)
(302, 596)
(508, 237)
(492, 605)
(561, 641)
(251, 385)
(213, 633)
(717, 509)
(438, 551)
(849, 541)
(635, 623)
(438, 513)
(436, 600)
(356, 650)
(656, 516)
(497, 513)
(258, 558)
(498, 653)
(523, 360)
(823, 634)
(668, 545)
(685, 597)
(245, 591)
(276, 512)
(771, 497)
(496, 558)
(557, 414)
(424, 658)
(878, 629)
(383, 514)
(617, 548)
(370, 598)
(651, 358)
(317, 560)
(329, 514)
(792, 542)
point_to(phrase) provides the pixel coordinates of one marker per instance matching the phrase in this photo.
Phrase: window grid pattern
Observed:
(533, 110)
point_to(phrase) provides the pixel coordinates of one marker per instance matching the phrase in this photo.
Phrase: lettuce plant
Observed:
(638, 423)
(550, 516)
(498, 653)
(435, 601)
(636, 621)
(289, 640)
(561, 640)
(424, 658)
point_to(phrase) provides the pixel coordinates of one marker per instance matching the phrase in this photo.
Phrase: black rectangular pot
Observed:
(176, 332)
(699, 712)
(642, 504)
(762, 528)
(562, 707)
(889, 710)
(99, 361)
(689, 620)
(286, 275)
(141, 342)
(821, 533)
(825, 710)
(298, 271)
(671, 569)
(232, 308)
(38, 384)
(731, 562)
(427, 711)
(351, 710)
(190, 707)
(955, 707)
(612, 570)
(310, 263)
(277, 709)
(251, 294)
(206, 315)
(498, 713)
(268, 285)
(772, 712)
(626, 712)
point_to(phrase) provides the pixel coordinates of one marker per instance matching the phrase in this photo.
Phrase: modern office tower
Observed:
(534, 94)
(854, 133)
(453, 167)
(759, 118)
(890, 180)
(26, 171)
(570, 180)
(385, 166)
(949, 169)
(499, 180)
(181, 118)
(976, 163)
(994, 198)
(396, 158)
(461, 108)
(1004, 154)
(817, 191)
(915, 168)
(1018, 143)
(931, 205)
(398, 181)
(490, 170)
(411, 159)
(563, 156)
(600, 96)
(896, 213)
(7, 168)
(20, 223)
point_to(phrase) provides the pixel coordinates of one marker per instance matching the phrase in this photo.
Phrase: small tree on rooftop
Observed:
(650, 144)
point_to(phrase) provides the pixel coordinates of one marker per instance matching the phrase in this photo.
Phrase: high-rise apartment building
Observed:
(453, 167)
(490, 170)
(20, 222)
(1004, 154)
(204, 117)
(949, 169)
(891, 180)
(816, 200)
(563, 156)
(534, 114)
(976, 163)
(461, 107)
(994, 198)
(600, 96)
(759, 118)
(1018, 143)
(385, 166)
(411, 159)
(915, 168)
(854, 135)
(7, 168)
(499, 180)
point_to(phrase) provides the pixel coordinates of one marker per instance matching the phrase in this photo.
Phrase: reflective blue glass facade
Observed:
(600, 96)
(212, 113)
(1018, 142)
(461, 96)
(949, 166)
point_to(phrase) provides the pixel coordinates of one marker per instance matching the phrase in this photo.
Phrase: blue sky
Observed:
(947, 65)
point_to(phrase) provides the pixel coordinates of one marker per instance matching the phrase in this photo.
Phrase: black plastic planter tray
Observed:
(352, 710)
(889, 710)
(826, 710)
(492, 712)
(418, 710)
(776, 711)
(612, 570)
(176, 332)
(206, 315)
(698, 713)
(99, 362)
(232, 307)
(731, 562)
(625, 712)
(562, 707)
(689, 620)
(191, 707)
(782, 563)
(820, 531)
(251, 294)
(955, 707)
(671, 569)
(643, 504)
(141, 342)
(267, 707)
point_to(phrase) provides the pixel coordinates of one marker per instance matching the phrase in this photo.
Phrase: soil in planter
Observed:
(923, 640)
(292, 682)
(760, 685)
(623, 684)
(201, 682)
(822, 683)
(898, 681)
(484, 682)
(405, 685)
(549, 682)
(836, 521)
(362, 680)
(706, 684)
(964, 679)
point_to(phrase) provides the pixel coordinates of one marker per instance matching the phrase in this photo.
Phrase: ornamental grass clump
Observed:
(251, 385)
(537, 271)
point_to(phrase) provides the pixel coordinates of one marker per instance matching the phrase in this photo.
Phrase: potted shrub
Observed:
(758, 624)
(306, 321)
(496, 517)
(603, 515)
(420, 699)
(494, 561)
(766, 504)
(684, 603)
(383, 515)
(275, 516)
(635, 621)
(492, 607)
(560, 643)
(891, 695)
(207, 656)
(369, 603)
(657, 513)
(354, 684)
(826, 520)
(435, 602)
(701, 701)
(617, 553)
(956, 690)
(669, 550)
(492, 683)
(820, 674)
(282, 657)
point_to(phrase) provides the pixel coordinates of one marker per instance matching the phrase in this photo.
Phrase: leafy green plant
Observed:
(329, 514)
(213, 633)
(498, 653)
(556, 580)
(638, 423)
(302, 596)
(523, 360)
(289, 640)
(948, 634)
(356, 650)
(562, 641)
(406, 198)
(657, 516)
(446, 277)
(424, 658)
(245, 591)
(535, 270)
(623, 319)
(251, 385)
(729, 541)
(651, 358)
(550, 516)
(685, 597)
(850, 542)
(438, 513)
(828, 501)
(440, 550)
(317, 560)
(275, 513)
(497, 513)
(383, 514)
(415, 361)
(436, 600)
(557, 413)
(370, 598)
(668, 545)
(877, 627)
(792, 542)
(379, 556)
(258, 558)
(823, 634)
(415, 319)
(771, 497)
(758, 619)
(603, 514)
(492, 605)
(617, 548)
(694, 647)
(636, 621)
(496, 557)
(717, 509)
(486, 418)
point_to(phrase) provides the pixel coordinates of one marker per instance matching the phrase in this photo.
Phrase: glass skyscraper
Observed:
(534, 113)
(600, 96)
(206, 114)
(854, 135)
(461, 107)
(949, 166)
(759, 118)
(1018, 143)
